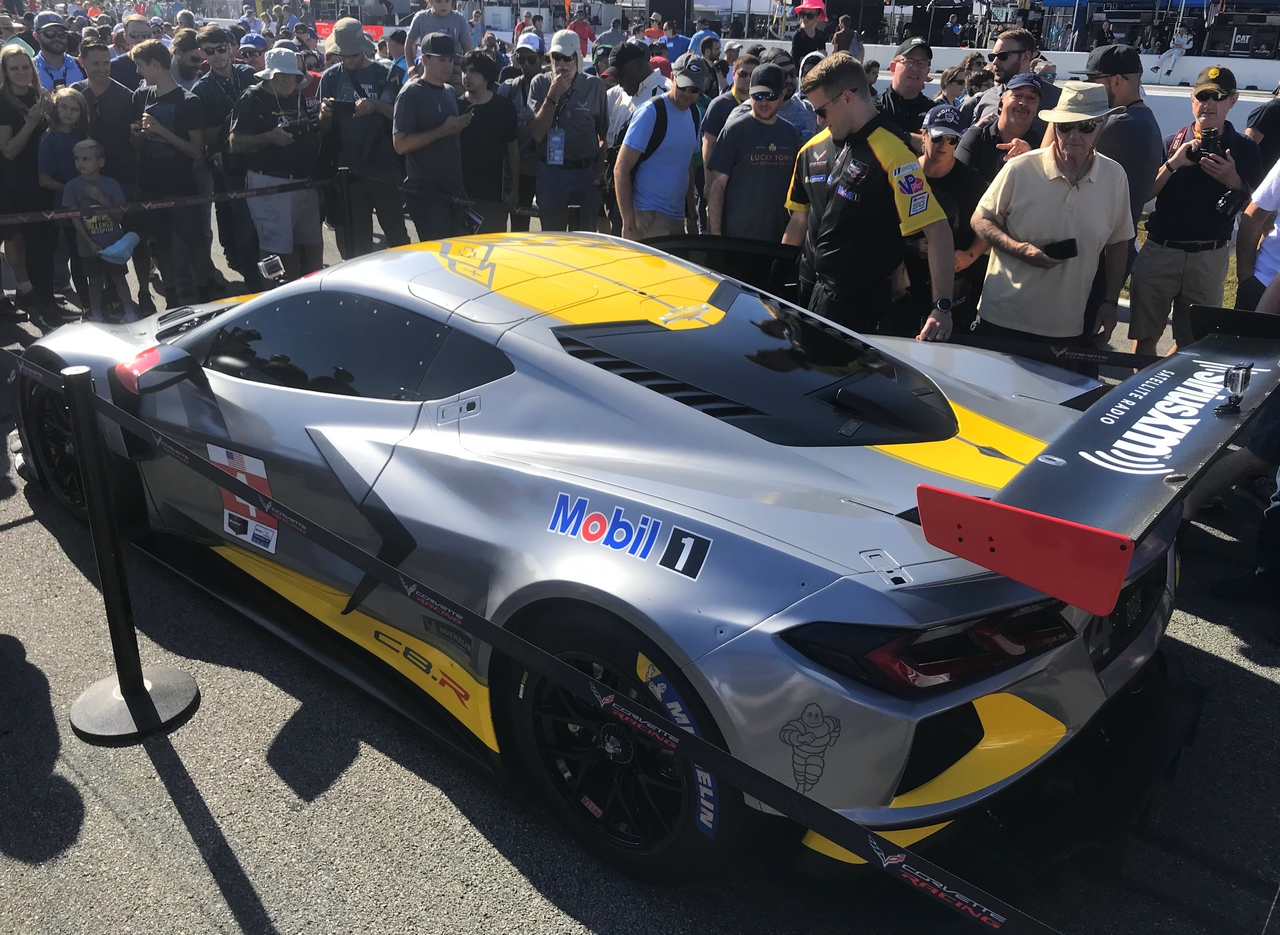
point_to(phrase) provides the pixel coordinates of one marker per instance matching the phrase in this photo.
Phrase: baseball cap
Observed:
(943, 120)
(440, 44)
(1215, 78)
(48, 18)
(253, 40)
(566, 43)
(1106, 60)
(915, 42)
(530, 40)
(767, 79)
(756, 49)
(397, 35)
(624, 55)
(1025, 79)
(689, 71)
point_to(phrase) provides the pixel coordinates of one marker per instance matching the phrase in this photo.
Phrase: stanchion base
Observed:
(103, 715)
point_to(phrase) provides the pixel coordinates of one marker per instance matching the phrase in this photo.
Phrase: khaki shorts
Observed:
(285, 220)
(656, 224)
(1165, 277)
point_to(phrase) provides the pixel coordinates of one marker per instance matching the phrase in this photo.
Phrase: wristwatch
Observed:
(943, 305)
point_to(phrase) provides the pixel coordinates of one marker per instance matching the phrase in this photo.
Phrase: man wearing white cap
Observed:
(570, 121)
(1048, 215)
(277, 130)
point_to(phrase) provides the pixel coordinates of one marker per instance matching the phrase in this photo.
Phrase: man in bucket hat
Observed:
(274, 125)
(357, 98)
(1048, 216)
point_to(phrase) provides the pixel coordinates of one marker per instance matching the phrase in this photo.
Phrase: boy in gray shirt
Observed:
(97, 231)
(438, 17)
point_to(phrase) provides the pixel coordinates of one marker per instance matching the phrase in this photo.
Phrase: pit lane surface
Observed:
(293, 803)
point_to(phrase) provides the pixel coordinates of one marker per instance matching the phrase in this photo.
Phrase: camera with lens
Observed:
(302, 126)
(1210, 142)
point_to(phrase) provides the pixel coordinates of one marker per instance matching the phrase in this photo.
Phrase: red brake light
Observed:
(128, 373)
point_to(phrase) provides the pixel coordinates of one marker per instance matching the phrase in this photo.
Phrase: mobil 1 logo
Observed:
(685, 552)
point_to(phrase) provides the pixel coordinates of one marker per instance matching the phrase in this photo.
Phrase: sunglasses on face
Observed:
(1049, 75)
(214, 50)
(822, 111)
(138, 36)
(1001, 56)
(1203, 96)
(949, 140)
(808, 14)
(765, 96)
(557, 57)
(54, 33)
(1084, 126)
(526, 59)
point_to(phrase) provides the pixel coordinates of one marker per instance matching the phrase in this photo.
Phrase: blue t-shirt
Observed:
(56, 157)
(677, 45)
(695, 41)
(663, 178)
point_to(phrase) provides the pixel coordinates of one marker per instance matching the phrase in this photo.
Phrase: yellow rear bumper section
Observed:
(431, 669)
(1016, 734)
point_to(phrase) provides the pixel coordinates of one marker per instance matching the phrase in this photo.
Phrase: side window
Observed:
(463, 364)
(330, 342)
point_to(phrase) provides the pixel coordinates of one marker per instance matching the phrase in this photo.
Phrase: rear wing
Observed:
(1068, 522)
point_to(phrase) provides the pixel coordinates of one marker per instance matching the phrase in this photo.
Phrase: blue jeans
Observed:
(558, 188)
(435, 213)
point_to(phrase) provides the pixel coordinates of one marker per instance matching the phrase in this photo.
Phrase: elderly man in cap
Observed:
(1014, 131)
(571, 120)
(1048, 216)
(357, 99)
(653, 175)
(1205, 180)
(54, 67)
(274, 127)
(426, 128)
(750, 167)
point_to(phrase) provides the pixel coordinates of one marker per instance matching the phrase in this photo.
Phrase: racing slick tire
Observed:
(632, 801)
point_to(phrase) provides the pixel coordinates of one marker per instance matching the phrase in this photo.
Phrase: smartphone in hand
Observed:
(1060, 249)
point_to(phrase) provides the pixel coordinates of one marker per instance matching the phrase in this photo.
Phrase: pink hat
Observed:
(814, 5)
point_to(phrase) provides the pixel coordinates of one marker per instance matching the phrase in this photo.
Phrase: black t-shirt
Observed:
(1266, 120)
(958, 193)
(22, 173)
(218, 97)
(977, 148)
(163, 169)
(124, 71)
(260, 110)
(484, 148)
(802, 45)
(1186, 208)
(906, 115)
(110, 114)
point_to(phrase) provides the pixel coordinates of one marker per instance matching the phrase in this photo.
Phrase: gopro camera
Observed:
(1235, 381)
(472, 222)
(272, 268)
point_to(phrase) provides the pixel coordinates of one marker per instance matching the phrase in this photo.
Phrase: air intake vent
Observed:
(686, 393)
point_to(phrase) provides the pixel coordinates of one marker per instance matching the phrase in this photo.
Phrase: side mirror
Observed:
(157, 368)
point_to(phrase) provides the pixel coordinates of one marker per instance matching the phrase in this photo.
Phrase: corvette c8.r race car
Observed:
(698, 493)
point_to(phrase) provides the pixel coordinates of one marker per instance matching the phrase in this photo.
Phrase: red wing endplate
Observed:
(1066, 524)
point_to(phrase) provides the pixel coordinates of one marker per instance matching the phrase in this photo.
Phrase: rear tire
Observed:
(630, 800)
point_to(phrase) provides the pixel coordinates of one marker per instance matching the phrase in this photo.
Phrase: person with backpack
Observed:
(653, 175)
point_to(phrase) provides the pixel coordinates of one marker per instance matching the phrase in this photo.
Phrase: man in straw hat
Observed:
(1048, 215)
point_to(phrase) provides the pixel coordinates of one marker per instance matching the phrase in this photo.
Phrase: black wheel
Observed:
(630, 799)
(49, 439)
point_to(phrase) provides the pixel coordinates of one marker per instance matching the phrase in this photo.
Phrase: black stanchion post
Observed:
(575, 218)
(135, 701)
(348, 214)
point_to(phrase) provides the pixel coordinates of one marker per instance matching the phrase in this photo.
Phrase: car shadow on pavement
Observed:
(41, 813)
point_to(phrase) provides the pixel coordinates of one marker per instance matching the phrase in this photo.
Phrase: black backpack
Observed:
(655, 139)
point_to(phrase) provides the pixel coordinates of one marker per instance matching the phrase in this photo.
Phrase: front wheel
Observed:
(630, 799)
(48, 433)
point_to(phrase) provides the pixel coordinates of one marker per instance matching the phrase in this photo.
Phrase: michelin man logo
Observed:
(809, 736)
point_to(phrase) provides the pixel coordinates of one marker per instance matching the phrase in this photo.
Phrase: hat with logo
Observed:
(48, 18)
(530, 40)
(915, 42)
(1080, 100)
(348, 38)
(1107, 60)
(690, 71)
(439, 45)
(1215, 78)
(624, 55)
(566, 42)
(280, 62)
(253, 40)
(943, 120)
(1025, 79)
(768, 79)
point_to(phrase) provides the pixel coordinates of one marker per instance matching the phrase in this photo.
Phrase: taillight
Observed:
(904, 662)
(128, 372)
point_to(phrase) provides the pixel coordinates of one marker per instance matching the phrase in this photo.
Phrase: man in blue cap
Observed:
(1015, 130)
(55, 68)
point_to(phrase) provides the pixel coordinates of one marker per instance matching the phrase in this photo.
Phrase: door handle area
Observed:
(462, 409)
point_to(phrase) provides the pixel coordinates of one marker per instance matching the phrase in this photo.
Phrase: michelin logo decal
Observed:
(684, 553)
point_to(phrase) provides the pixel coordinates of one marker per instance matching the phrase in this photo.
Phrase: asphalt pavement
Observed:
(293, 803)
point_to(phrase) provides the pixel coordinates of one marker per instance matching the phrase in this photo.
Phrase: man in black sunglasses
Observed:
(1206, 178)
(1013, 53)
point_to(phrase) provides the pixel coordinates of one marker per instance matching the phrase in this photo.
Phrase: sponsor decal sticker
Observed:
(245, 521)
(967, 905)
(809, 736)
(676, 708)
(685, 552)
(905, 169)
(919, 203)
(911, 185)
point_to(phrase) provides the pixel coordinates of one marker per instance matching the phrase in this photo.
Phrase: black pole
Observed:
(135, 701)
(348, 212)
(575, 218)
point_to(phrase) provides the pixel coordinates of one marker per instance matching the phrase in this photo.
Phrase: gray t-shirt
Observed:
(366, 141)
(759, 159)
(424, 23)
(1133, 139)
(421, 107)
(583, 114)
(103, 229)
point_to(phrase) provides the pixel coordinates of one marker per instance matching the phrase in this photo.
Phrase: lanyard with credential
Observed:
(556, 136)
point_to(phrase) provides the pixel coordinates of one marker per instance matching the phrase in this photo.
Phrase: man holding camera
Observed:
(1205, 181)
(276, 128)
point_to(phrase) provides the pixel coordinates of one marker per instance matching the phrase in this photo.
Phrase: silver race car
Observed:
(700, 494)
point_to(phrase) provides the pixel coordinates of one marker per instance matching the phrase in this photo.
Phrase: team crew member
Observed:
(856, 192)
(54, 67)
(904, 102)
(277, 130)
(571, 118)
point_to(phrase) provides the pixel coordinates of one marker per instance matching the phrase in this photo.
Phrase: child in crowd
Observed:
(68, 125)
(90, 188)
